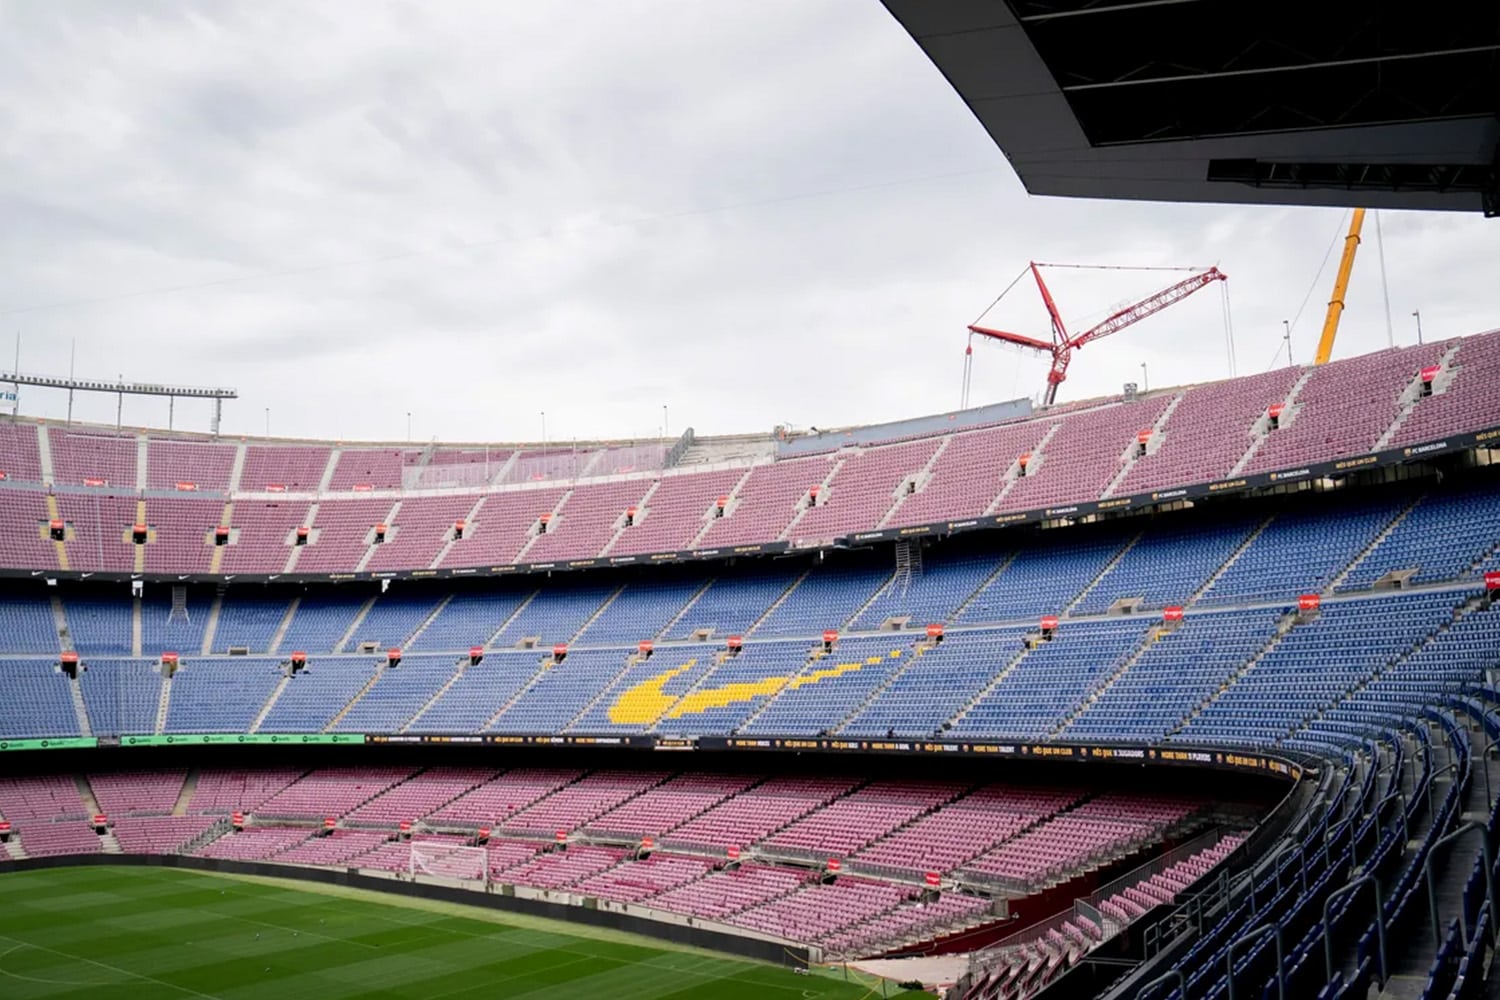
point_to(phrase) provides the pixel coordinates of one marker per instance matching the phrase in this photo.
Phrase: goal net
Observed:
(441, 860)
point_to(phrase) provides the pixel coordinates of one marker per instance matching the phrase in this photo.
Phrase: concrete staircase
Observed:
(295, 551)
(163, 703)
(1103, 573)
(409, 640)
(237, 469)
(286, 623)
(923, 476)
(1038, 459)
(733, 495)
(211, 627)
(1108, 681)
(1412, 396)
(787, 533)
(1375, 543)
(353, 629)
(442, 554)
(265, 710)
(459, 667)
(326, 479)
(778, 602)
(189, 786)
(597, 612)
(1152, 446)
(339, 717)
(1287, 417)
(641, 506)
(135, 627)
(1233, 556)
(1283, 627)
(390, 522)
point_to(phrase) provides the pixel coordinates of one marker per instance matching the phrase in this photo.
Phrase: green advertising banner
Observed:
(57, 743)
(226, 739)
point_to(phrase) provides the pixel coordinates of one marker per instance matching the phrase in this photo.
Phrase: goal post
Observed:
(450, 862)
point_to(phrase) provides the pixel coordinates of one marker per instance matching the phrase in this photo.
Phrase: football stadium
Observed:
(1175, 693)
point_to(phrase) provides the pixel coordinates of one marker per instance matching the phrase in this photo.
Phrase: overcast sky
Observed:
(476, 211)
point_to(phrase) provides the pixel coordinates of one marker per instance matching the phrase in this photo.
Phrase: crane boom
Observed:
(1340, 287)
(1064, 344)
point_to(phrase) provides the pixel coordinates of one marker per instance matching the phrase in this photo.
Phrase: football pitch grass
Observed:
(104, 933)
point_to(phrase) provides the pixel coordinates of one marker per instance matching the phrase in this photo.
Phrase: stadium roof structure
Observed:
(1343, 102)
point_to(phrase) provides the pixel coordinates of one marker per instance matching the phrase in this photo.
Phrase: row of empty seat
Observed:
(558, 506)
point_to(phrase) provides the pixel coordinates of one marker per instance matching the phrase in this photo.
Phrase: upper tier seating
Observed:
(1077, 452)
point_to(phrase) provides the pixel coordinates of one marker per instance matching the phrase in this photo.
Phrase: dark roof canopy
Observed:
(1335, 102)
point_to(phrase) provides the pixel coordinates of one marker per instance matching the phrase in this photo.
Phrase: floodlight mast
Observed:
(1063, 344)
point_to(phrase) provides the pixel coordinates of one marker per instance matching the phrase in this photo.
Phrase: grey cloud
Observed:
(476, 211)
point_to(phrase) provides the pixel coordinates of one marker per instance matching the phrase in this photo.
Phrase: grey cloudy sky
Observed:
(476, 211)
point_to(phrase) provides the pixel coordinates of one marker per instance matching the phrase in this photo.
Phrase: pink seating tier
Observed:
(141, 793)
(633, 881)
(454, 468)
(65, 837)
(332, 791)
(204, 465)
(722, 894)
(1164, 887)
(1087, 451)
(344, 529)
(559, 869)
(1471, 401)
(764, 506)
(238, 791)
(669, 804)
(963, 829)
(1074, 841)
(546, 466)
(1209, 431)
(753, 814)
(80, 457)
(422, 527)
(502, 527)
(494, 801)
(862, 491)
(395, 855)
(969, 474)
(295, 468)
(264, 534)
(851, 822)
(181, 535)
(574, 806)
(334, 848)
(411, 800)
(676, 512)
(44, 797)
(1344, 408)
(815, 912)
(374, 468)
(158, 834)
(622, 460)
(99, 531)
(505, 854)
(255, 843)
(942, 915)
(587, 520)
(20, 456)
(24, 543)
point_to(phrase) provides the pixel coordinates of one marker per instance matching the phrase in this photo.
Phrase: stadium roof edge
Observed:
(1336, 104)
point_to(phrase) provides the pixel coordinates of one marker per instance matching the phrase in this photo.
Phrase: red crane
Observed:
(1063, 344)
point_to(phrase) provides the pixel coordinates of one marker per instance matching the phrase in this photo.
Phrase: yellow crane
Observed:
(1340, 287)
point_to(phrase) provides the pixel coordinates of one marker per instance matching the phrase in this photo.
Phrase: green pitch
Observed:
(105, 933)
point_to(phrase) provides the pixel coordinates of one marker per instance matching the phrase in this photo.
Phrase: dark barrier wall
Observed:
(698, 937)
